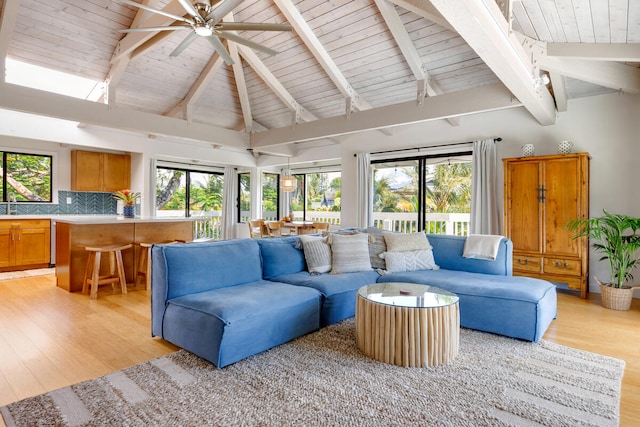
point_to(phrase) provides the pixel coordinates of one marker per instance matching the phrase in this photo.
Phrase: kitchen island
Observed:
(73, 233)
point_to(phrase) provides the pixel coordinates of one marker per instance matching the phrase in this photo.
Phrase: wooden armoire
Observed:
(541, 194)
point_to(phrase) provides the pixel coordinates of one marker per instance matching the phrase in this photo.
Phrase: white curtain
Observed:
(364, 190)
(150, 204)
(485, 210)
(229, 211)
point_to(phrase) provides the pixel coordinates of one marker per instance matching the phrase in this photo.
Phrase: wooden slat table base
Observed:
(409, 337)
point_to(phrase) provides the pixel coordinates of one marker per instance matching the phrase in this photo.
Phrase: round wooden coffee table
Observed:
(407, 324)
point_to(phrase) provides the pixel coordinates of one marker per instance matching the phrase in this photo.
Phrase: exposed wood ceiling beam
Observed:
(620, 52)
(119, 66)
(258, 66)
(427, 11)
(613, 75)
(33, 101)
(559, 91)
(186, 105)
(481, 24)
(427, 86)
(8, 18)
(318, 51)
(133, 40)
(455, 104)
(241, 84)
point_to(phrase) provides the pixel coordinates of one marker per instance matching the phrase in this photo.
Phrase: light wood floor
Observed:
(50, 338)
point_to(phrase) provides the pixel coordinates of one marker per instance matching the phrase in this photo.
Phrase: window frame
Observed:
(5, 185)
(423, 162)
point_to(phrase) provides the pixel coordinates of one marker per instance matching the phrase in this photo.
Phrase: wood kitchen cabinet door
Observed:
(33, 246)
(116, 173)
(542, 194)
(86, 170)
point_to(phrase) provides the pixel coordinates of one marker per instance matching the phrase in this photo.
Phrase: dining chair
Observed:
(277, 229)
(320, 226)
(257, 228)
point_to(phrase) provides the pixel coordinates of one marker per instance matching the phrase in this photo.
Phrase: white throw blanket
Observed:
(482, 246)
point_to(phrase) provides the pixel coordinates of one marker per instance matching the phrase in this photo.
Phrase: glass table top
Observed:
(409, 295)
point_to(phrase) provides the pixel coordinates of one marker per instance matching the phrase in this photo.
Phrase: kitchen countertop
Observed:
(96, 219)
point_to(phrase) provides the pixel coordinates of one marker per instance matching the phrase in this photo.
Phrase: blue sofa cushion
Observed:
(518, 307)
(280, 256)
(228, 324)
(232, 261)
(339, 291)
(447, 252)
(236, 303)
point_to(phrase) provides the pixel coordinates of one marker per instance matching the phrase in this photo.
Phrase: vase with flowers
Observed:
(129, 198)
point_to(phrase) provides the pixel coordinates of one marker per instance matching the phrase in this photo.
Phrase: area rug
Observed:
(10, 275)
(323, 379)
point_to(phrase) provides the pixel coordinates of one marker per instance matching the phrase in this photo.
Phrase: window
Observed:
(191, 193)
(317, 197)
(244, 197)
(431, 193)
(26, 177)
(270, 194)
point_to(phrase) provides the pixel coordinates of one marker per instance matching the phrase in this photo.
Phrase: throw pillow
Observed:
(317, 253)
(399, 242)
(421, 259)
(376, 247)
(350, 253)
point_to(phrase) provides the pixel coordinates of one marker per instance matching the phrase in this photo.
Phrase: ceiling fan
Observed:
(205, 20)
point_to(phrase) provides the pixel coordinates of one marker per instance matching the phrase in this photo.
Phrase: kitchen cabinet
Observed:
(24, 244)
(542, 194)
(95, 171)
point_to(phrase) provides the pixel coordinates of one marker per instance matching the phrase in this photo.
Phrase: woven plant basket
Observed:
(616, 298)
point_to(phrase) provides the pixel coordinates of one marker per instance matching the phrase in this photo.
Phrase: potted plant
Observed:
(129, 198)
(617, 238)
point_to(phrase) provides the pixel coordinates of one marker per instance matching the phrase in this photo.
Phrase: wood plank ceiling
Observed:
(343, 56)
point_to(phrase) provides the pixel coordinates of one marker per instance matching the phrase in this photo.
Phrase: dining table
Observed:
(299, 227)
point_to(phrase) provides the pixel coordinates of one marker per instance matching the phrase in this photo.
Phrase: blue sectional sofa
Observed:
(227, 300)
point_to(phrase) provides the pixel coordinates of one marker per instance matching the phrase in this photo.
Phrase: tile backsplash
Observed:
(82, 203)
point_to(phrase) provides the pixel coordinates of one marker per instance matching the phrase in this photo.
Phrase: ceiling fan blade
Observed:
(253, 45)
(191, 10)
(222, 51)
(183, 44)
(154, 10)
(252, 26)
(145, 29)
(222, 10)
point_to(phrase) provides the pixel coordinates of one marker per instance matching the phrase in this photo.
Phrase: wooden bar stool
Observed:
(143, 270)
(116, 268)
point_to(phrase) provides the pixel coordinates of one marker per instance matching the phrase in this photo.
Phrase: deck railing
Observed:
(208, 225)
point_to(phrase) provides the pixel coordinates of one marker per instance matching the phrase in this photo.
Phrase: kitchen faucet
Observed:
(12, 199)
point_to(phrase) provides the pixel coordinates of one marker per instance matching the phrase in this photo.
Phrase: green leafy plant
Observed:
(617, 238)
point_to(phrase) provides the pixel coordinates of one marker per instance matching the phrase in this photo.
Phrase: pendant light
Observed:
(288, 181)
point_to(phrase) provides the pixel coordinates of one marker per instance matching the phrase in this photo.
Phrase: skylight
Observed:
(23, 74)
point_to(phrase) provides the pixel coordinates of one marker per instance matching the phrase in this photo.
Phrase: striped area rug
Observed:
(323, 379)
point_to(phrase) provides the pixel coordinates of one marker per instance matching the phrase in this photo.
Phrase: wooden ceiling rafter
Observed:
(483, 27)
(241, 84)
(8, 18)
(426, 85)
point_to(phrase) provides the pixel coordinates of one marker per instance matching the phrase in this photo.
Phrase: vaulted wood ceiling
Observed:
(348, 66)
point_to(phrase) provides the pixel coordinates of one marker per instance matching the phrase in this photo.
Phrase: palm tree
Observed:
(449, 189)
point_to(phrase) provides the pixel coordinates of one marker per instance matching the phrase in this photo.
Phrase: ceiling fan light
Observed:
(203, 30)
